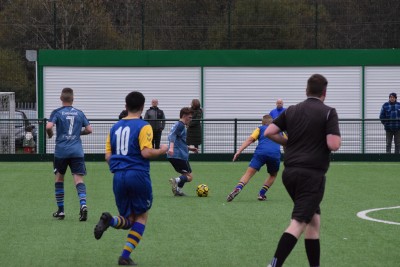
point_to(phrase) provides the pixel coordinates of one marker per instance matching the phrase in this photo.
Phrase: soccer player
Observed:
(128, 150)
(69, 122)
(267, 152)
(313, 132)
(178, 152)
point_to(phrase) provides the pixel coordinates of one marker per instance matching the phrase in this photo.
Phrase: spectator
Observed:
(156, 118)
(194, 131)
(278, 110)
(390, 118)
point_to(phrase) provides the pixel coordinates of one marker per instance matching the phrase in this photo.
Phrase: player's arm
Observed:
(251, 139)
(49, 129)
(273, 132)
(87, 130)
(146, 146)
(333, 142)
(108, 148)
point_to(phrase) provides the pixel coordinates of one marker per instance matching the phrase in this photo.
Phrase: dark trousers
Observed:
(156, 139)
(390, 135)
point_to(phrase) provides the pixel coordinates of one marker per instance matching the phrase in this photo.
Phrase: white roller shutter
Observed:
(379, 83)
(100, 93)
(251, 92)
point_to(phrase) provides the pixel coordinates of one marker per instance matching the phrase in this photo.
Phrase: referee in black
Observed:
(313, 132)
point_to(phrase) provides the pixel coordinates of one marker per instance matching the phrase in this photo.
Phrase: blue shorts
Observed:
(258, 160)
(133, 192)
(77, 165)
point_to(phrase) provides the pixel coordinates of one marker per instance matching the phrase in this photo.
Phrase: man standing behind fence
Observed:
(69, 122)
(390, 118)
(156, 118)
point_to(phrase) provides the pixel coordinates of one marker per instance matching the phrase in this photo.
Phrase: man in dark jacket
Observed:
(156, 118)
(390, 118)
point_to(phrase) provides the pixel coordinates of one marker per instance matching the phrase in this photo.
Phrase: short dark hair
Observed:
(67, 95)
(316, 85)
(134, 101)
(185, 111)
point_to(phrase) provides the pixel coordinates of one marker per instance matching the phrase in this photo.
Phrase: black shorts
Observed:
(306, 187)
(180, 165)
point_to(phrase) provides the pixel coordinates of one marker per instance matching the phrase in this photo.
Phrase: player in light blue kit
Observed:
(69, 122)
(128, 150)
(178, 152)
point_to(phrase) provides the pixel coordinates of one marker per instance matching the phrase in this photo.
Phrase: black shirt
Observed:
(307, 124)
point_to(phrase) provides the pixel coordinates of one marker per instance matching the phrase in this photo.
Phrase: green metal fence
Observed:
(220, 136)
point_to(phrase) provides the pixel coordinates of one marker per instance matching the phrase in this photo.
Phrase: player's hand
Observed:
(194, 149)
(235, 157)
(170, 152)
(164, 148)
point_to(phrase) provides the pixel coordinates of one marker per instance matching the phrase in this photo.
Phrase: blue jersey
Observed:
(265, 146)
(177, 135)
(126, 140)
(69, 122)
(276, 112)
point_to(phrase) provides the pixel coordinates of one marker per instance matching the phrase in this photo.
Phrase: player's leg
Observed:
(60, 166)
(254, 166)
(78, 170)
(182, 167)
(311, 240)
(134, 236)
(242, 182)
(272, 168)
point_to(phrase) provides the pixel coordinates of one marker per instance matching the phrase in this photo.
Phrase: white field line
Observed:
(363, 215)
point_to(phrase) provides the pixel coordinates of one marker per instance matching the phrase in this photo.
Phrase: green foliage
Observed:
(194, 231)
(13, 76)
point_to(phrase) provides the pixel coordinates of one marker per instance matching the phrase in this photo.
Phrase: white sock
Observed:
(177, 179)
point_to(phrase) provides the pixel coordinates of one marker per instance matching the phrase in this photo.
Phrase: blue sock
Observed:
(134, 237)
(184, 179)
(81, 188)
(59, 193)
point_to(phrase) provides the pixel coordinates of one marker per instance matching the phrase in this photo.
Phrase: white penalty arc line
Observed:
(363, 215)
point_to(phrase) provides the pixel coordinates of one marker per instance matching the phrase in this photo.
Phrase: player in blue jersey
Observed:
(267, 152)
(128, 150)
(178, 151)
(69, 122)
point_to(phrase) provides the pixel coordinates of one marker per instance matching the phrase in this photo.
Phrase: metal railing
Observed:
(219, 136)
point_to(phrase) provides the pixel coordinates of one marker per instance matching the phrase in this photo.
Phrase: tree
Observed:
(13, 76)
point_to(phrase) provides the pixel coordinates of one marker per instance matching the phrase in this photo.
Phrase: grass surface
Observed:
(193, 231)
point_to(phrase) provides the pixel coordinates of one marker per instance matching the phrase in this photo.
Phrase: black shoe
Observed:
(102, 225)
(83, 213)
(59, 215)
(126, 261)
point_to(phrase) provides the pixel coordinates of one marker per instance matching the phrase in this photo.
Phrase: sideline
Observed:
(363, 215)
